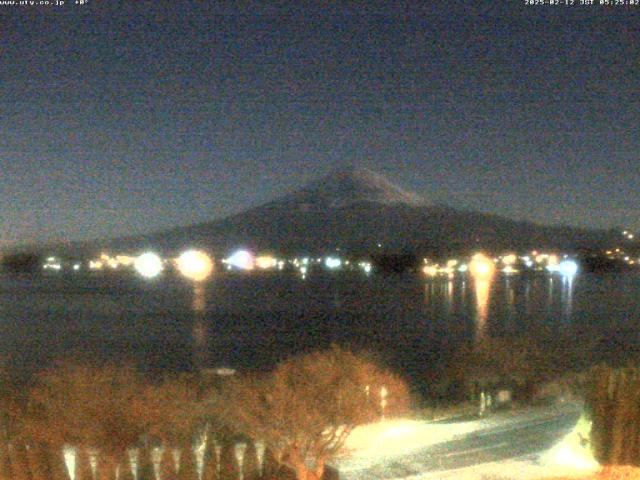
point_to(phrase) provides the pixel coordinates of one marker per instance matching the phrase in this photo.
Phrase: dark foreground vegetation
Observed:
(613, 398)
(116, 425)
(80, 422)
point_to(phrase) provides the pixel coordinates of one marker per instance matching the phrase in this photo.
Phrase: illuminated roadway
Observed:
(510, 435)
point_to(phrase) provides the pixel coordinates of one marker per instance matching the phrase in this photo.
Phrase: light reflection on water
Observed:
(257, 320)
(567, 296)
(200, 327)
(449, 295)
(482, 291)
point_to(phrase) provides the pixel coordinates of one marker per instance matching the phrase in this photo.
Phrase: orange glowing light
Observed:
(481, 266)
(509, 259)
(431, 270)
(195, 265)
(266, 262)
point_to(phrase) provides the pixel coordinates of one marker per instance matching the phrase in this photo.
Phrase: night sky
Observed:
(124, 117)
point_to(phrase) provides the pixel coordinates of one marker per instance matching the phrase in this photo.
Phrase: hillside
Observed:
(357, 210)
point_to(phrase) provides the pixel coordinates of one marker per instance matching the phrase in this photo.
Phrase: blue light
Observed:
(242, 259)
(332, 262)
(568, 268)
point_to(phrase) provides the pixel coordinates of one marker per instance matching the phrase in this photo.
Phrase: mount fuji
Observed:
(359, 211)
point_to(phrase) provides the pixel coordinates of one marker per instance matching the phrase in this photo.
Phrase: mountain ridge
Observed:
(356, 210)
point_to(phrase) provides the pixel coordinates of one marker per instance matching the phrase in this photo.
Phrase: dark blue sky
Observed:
(123, 117)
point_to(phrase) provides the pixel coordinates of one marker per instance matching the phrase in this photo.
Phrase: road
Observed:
(509, 435)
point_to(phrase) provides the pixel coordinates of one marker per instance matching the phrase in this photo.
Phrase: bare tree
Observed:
(5, 465)
(173, 413)
(613, 403)
(306, 408)
(493, 360)
(89, 408)
(172, 409)
(16, 462)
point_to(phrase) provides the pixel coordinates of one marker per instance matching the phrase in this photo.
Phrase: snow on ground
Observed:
(369, 444)
(377, 444)
(569, 458)
(527, 468)
(573, 450)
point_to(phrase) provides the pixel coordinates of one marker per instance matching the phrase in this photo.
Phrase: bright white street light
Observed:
(148, 265)
(568, 268)
(332, 262)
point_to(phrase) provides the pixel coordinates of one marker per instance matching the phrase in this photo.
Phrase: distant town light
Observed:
(125, 260)
(509, 259)
(430, 270)
(463, 268)
(332, 262)
(481, 266)
(95, 265)
(148, 265)
(52, 263)
(242, 259)
(266, 262)
(195, 265)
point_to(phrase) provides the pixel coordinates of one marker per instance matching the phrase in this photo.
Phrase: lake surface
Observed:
(252, 321)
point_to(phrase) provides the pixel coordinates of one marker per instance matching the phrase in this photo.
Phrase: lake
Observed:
(254, 320)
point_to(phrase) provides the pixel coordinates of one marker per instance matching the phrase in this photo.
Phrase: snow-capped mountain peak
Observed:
(358, 185)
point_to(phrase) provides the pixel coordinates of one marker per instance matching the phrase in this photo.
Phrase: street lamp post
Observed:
(260, 449)
(133, 454)
(240, 449)
(199, 451)
(156, 460)
(217, 448)
(383, 399)
(93, 461)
